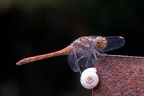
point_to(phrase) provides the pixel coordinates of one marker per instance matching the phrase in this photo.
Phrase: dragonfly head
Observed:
(100, 43)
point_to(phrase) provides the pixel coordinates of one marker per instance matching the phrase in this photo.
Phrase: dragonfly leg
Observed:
(77, 62)
(87, 61)
(100, 55)
(80, 58)
(95, 54)
(79, 70)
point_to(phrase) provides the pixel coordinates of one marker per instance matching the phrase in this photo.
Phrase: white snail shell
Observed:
(89, 79)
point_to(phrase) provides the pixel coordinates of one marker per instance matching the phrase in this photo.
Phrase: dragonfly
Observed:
(83, 51)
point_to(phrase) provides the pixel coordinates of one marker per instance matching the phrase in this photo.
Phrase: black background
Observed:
(27, 31)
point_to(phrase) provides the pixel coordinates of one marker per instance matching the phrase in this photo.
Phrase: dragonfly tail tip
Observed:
(19, 63)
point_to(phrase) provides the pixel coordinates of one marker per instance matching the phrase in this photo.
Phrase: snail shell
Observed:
(89, 79)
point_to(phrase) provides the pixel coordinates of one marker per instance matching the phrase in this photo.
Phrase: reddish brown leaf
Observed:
(120, 76)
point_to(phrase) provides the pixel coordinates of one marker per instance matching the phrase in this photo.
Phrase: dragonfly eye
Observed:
(100, 43)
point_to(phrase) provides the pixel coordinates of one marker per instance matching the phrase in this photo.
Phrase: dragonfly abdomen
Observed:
(64, 51)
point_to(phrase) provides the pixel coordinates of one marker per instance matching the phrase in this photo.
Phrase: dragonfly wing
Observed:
(72, 61)
(114, 42)
(87, 61)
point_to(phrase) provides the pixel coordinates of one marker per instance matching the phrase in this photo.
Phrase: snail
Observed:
(89, 79)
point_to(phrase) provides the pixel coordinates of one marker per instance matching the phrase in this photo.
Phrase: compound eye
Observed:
(100, 43)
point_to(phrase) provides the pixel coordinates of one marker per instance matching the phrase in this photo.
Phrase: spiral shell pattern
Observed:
(89, 79)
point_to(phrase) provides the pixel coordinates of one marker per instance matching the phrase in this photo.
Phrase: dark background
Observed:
(32, 27)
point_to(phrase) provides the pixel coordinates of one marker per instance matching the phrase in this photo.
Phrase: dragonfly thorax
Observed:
(83, 45)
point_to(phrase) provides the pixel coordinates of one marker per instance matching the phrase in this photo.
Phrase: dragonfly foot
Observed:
(102, 56)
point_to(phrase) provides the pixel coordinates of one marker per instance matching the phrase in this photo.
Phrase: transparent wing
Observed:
(87, 61)
(72, 61)
(114, 42)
